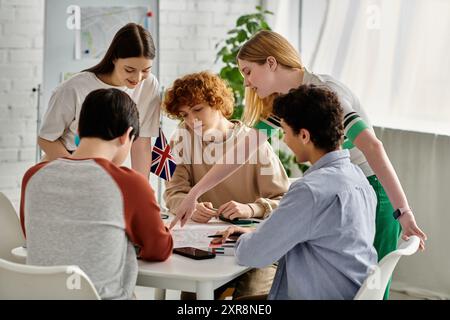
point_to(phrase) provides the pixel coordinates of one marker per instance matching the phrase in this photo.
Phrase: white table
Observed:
(182, 273)
(185, 274)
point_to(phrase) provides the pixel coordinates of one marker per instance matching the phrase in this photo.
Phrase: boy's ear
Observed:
(304, 136)
(123, 138)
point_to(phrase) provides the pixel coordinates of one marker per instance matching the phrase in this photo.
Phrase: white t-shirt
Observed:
(355, 118)
(61, 118)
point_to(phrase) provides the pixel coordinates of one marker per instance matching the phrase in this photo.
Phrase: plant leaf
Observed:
(232, 31)
(242, 36)
(242, 20)
(252, 27)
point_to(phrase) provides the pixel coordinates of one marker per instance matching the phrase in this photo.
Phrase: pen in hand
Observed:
(234, 234)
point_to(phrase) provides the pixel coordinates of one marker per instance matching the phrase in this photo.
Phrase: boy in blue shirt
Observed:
(322, 233)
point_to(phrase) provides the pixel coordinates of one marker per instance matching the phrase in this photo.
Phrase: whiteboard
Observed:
(59, 41)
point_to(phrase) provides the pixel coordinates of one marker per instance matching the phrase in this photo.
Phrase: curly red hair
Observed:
(202, 87)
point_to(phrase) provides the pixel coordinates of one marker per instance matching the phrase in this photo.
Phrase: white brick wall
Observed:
(21, 27)
(189, 30)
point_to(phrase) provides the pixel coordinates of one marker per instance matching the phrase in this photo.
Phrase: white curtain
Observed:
(394, 54)
(286, 19)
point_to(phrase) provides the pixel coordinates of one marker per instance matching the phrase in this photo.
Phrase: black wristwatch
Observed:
(399, 212)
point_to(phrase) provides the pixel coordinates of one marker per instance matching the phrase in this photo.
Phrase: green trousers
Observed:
(387, 229)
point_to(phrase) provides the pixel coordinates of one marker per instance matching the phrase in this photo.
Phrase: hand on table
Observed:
(232, 210)
(203, 212)
(230, 231)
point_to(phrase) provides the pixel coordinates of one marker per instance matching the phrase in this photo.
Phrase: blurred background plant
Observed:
(246, 26)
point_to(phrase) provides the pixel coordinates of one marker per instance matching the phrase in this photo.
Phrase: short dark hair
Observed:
(107, 114)
(315, 109)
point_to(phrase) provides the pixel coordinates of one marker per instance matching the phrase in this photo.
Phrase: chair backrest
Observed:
(25, 282)
(375, 284)
(11, 235)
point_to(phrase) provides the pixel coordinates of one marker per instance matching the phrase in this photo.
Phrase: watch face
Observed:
(397, 214)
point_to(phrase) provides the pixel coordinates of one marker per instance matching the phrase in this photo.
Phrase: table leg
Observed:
(205, 290)
(160, 294)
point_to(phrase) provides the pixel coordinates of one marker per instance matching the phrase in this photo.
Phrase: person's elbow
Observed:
(376, 145)
(368, 143)
(251, 257)
(158, 253)
(163, 255)
(251, 261)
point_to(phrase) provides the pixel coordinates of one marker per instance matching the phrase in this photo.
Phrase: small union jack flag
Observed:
(163, 163)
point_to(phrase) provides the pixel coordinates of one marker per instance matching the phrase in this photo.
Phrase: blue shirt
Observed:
(321, 234)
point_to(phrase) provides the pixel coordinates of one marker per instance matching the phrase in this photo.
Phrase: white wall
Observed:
(189, 30)
(21, 30)
(421, 162)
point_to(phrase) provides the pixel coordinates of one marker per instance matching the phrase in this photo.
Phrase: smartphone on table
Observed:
(194, 253)
(237, 221)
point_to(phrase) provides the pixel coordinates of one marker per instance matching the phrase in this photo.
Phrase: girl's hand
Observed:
(185, 210)
(410, 228)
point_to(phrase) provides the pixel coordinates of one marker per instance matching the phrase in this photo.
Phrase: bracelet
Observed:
(253, 211)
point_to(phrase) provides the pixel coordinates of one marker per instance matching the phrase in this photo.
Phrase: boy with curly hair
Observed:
(204, 104)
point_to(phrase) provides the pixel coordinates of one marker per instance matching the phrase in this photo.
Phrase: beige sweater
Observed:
(250, 184)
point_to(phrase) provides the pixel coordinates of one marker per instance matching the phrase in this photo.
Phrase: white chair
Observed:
(11, 235)
(25, 282)
(374, 286)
